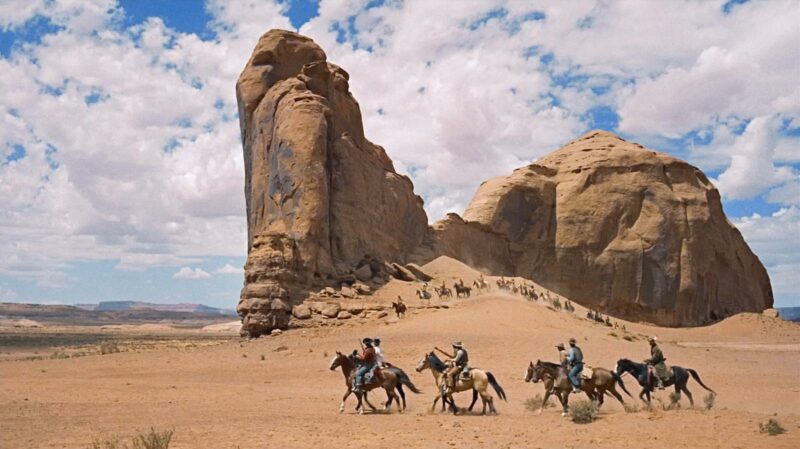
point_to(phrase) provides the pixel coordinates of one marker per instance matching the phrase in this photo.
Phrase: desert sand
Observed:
(278, 391)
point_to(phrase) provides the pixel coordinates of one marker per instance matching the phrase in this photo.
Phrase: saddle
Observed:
(373, 377)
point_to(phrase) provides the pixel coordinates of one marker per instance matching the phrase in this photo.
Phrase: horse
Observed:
(478, 382)
(602, 381)
(389, 378)
(443, 292)
(480, 285)
(462, 291)
(423, 294)
(399, 309)
(679, 378)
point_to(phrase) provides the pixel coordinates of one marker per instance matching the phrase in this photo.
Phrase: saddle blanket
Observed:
(587, 372)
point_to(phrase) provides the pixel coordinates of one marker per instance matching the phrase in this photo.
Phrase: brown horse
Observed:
(399, 309)
(389, 378)
(462, 290)
(602, 381)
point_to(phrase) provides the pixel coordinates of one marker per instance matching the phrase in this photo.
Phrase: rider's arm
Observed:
(448, 355)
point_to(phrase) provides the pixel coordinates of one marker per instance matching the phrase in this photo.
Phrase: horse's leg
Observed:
(359, 405)
(474, 398)
(366, 399)
(641, 396)
(547, 394)
(613, 391)
(344, 398)
(686, 390)
(402, 394)
(565, 402)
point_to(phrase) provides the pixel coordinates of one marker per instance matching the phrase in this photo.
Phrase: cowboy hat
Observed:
(457, 344)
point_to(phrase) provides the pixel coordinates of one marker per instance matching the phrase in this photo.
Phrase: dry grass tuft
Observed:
(148, 440)
(534, 404)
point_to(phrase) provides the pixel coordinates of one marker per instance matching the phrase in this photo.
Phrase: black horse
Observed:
(679, 378)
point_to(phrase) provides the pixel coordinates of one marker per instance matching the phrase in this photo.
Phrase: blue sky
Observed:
(120, 162)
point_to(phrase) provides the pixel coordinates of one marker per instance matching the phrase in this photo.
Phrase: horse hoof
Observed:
(563, 414)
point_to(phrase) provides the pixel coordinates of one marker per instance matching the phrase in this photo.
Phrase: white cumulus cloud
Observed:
(191, 273)
(229, 269)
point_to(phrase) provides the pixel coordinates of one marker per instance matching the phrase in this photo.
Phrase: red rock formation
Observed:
(320, 196)
(613, 225)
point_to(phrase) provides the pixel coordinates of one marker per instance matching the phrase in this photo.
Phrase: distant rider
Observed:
(368, 363)
(459, 361)
(575, 361)
(656, 361)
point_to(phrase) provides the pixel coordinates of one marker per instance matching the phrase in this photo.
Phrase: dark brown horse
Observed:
(602, 381)
(679, 378)
(390, 378)
(399, 309)
(462, 290)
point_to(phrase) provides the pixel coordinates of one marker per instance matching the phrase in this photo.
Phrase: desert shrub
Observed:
(535, 403)
(59, 355)
(613, 334)
(771, 427)
(583, 412)
(108, 347)
(153, 439)
(709, 400)
(263, 357)
(628, 338)
(147, 440)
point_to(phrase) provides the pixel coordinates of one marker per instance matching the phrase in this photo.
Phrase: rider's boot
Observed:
(659, 383)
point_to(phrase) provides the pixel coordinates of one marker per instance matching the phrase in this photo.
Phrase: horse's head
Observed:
(624, 366)
(425, 363)
(538, 371)
(529, 372)
(337, 361)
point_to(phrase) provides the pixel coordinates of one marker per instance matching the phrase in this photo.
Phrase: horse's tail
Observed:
(404, 379)
(497, 388)
(697, 378)
(618, 379)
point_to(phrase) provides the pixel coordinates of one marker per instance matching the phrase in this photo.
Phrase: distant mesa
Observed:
(608, 223)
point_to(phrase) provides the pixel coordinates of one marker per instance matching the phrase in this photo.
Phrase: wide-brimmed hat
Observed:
(376, 340)
(560, 346)
(572, 341)
(652, 339)
(458, 344)
(366, 340)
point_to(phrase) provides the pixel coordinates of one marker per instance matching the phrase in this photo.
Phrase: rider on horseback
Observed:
(656, 361)
(575, 361)
(380, 361)
(458, 361)
(368, 364)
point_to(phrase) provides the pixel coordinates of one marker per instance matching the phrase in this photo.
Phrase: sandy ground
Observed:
(278, 391)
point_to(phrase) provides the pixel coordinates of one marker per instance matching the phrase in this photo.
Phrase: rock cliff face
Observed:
(608, 223)
(613, 225)
(320, 196)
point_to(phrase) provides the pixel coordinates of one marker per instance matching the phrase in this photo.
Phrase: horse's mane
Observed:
(436, 362)
(550, 364)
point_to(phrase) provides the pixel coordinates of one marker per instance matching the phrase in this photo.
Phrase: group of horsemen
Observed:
(372, 357)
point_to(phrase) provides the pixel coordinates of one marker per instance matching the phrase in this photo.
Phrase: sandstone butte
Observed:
(605, 222)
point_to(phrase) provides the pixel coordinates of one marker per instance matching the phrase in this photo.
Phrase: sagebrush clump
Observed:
(583, 412)
(153, 439)
(771, 427)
